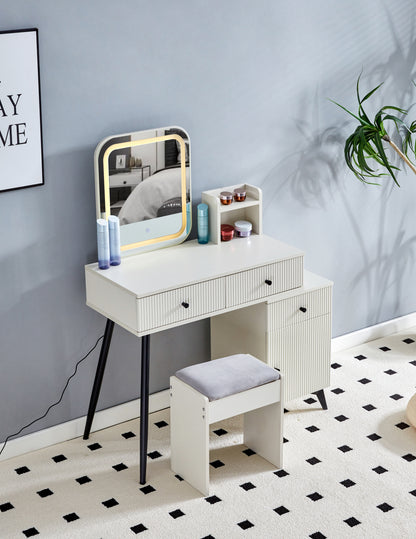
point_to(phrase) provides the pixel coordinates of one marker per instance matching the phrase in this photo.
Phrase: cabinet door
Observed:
(302, 352)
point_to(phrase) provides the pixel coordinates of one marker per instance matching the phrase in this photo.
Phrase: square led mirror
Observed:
(144, 178)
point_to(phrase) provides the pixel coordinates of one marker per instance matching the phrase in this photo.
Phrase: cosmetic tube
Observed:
(114, 234)
(103, 244)
(203, 229)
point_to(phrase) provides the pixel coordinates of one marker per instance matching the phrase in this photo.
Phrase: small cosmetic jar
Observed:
(243, 228)
(226, 197)
(227, 232)
(239, 195)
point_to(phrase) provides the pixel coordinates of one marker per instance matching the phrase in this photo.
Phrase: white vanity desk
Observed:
(255, 291)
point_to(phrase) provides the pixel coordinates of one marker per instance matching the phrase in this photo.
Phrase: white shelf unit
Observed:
(248, 210)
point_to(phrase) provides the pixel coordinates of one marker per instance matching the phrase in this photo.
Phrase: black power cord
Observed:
(55, 403)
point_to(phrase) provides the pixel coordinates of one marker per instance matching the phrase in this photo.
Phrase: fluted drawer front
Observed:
(180, 304)
(302, 352)
(300, 307)
(264, 281)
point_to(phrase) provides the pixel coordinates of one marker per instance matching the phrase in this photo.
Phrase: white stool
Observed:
(209, 392)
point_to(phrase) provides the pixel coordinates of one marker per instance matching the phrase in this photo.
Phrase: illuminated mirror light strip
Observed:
(131, 144)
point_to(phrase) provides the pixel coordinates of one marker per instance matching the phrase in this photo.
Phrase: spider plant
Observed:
(365, 144)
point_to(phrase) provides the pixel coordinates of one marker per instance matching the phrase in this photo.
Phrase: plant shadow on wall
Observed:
(315, 174)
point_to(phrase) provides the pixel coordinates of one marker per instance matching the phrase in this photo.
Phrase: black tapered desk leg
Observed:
(321, 398)
(98, 376)
(144, 407)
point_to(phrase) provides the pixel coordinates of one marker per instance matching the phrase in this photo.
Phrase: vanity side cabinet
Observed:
(219, 214)
(298, 340)
(290, 331)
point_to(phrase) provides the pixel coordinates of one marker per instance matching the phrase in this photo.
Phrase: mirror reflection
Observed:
(144, 179)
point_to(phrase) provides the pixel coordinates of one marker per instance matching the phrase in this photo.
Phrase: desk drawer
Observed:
(264, 281)
(299, 308)
(181, 304)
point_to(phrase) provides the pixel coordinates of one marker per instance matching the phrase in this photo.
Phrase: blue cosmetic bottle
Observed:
(202, 218)
(103, 244)
(114, 234)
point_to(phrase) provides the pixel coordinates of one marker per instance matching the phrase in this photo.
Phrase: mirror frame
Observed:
(102, 186)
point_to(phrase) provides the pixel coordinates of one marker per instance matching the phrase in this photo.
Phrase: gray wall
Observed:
(249, 81)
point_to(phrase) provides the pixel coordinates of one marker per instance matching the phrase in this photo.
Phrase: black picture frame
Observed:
(21, 140)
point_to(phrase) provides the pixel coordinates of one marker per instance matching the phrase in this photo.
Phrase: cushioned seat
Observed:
(209, 392)
(227, 376)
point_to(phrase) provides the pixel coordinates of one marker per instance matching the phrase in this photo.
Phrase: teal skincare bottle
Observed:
(202, 218)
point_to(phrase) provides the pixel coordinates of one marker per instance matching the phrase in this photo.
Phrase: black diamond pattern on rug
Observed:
(373, 437)
(148, 489)
(120, 467)
(281, 473)
(6, 507)
(154, 455)
(139, 528)
(315, 496)
(217, 464)
(82, 480)
(385, 507)
(177, 513)
(247, 486)
(220, 432)
(282, 510)
(345, 448)
(409, 457)
(59, 458)
(212, 499)
(30, 532)
(245, 524)
(313, 461)
(22, 470)
(379, 469)
(45, 492)
(348, 483)
(161, 424)
(352, 521)
(94, 447)
(128, 435)
(369, 407)
(110, 503)
(70, 517)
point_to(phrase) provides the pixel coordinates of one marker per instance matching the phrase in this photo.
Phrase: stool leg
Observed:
(189, 435)
(263, 432)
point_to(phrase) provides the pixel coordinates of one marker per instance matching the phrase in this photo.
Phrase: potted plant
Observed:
(364, 146)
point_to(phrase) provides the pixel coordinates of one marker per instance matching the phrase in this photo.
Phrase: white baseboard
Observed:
(157, 401)
(75, 428)
(373, 332)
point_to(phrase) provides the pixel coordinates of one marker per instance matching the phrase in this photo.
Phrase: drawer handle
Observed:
(268, 282)
(185, 304)
(303, 309)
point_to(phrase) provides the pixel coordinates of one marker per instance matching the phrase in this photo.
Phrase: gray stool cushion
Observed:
(228, 375)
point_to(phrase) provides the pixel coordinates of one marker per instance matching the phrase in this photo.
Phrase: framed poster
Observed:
(21, 154)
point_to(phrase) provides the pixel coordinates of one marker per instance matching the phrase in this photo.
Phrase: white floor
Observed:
(348, 472)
